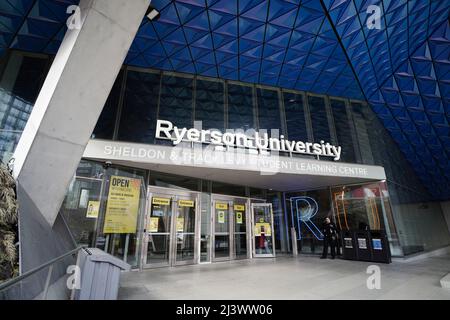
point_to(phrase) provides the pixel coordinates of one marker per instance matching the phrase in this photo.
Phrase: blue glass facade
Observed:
(310, 68)
(322, 46)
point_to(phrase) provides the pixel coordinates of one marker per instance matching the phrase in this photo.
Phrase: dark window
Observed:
(268, 109)
(295, 116)
(138, 116)
(229, 189)
(167, 180)
(343, 132)
(321, 130)
(104, 128)
(240, 107)
(362, 133)
(209, 104)
(20, 85)
(176, 101)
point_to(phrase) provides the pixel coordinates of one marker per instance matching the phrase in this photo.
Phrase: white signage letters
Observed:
(258, 142)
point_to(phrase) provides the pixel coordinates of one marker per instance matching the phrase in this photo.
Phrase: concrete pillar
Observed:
(72, 98)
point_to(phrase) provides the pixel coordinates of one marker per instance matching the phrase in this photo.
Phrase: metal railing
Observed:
(35, 283)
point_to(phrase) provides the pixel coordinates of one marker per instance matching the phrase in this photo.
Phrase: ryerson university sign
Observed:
(256, 143)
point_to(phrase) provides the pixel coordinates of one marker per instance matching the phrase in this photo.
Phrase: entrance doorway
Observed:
(171, 221)
(230, 228)
(263, 231)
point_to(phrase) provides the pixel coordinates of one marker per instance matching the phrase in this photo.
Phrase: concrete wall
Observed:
(420, 226)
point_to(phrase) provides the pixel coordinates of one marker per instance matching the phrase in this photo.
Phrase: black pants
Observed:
(328, 241)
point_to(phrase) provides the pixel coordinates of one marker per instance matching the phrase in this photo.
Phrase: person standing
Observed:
(329, 239)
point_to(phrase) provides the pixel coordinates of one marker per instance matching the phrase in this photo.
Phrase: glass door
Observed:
(170, 229)
(158, 231)
(221, 230)
(185, 223)
(263, 236)
(240, 230)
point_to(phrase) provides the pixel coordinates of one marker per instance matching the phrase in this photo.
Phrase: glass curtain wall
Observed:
(140, 105)
(139, 97)
(210, 104)
(20, 83)
(344, 133)
(104, 208)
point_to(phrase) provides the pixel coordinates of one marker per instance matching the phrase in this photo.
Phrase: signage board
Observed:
(257, 142)
(122, 206)
(93, 209)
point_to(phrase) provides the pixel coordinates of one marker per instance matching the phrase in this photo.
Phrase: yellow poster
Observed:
(221, 206)
(186, 203)
(261, 228)
(221, 216)
(161, 201)
(93, 208)
(239, 217)
(123, 205)
(153, 224)
(180, 224)
(239, 207)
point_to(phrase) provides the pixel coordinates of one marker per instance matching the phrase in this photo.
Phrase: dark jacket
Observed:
(329, 230)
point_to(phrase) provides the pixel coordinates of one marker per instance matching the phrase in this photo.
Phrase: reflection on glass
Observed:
(138, 116)
(158, 249)
(176, 100)
(240, 107)
(221, 230)
(185, 231)
(240, 241)
(104, 129)
(82, 224)
(343, 131)
(362, 132)
(158, 230)
(358, 207)
(309, 242)
(268, 109)
(240, 229)
(263, 230)
(222, 246)
(209, 104)
(205, 236)
(19, 87)
(295, 116)
(319, 119)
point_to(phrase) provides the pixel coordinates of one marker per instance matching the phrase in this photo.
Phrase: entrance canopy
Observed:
(276, 172)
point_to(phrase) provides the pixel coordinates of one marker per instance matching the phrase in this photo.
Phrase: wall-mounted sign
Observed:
(263, 228)
(239, 207)
(256, 142)
(153, 224)
(186, 203)
(93, 209)
(123, 205)
(221, 206)
(239, 217)
(161, 201)
(221, 216)
(180, 224)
